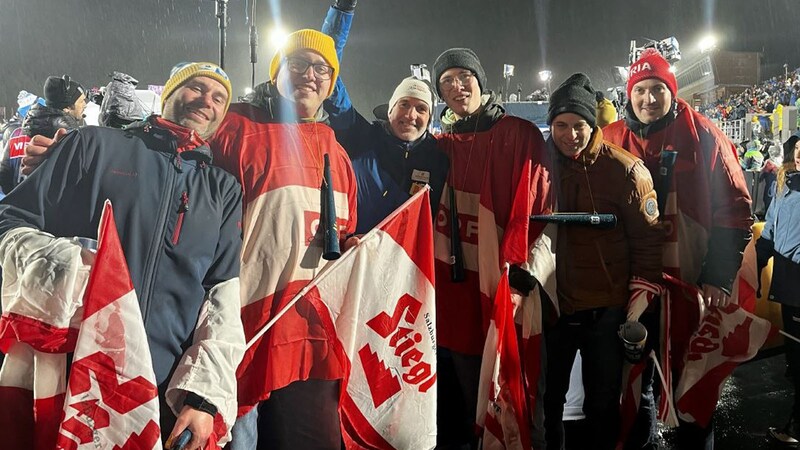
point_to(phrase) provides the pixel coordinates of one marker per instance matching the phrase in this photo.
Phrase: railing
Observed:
(734, 129)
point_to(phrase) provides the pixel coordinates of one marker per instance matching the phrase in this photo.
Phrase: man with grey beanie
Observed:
(499, 176)
(394, 156)
(600, 272)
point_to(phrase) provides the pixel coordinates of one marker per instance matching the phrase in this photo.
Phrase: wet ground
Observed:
(756, 396)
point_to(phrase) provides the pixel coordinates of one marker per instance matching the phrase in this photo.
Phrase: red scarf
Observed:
(187, 139)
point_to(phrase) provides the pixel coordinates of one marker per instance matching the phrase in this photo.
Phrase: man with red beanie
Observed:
(706, 212)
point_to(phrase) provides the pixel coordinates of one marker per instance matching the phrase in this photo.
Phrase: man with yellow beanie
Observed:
(276, 145)
(180, 227)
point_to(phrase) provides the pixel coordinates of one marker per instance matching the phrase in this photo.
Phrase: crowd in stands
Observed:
(761, 99)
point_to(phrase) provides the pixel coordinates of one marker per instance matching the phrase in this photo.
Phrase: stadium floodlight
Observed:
(707, 42)
(545, 76)
(277, 37)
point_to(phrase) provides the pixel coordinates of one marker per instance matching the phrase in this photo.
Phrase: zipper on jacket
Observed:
(157, 243)
(181, 213)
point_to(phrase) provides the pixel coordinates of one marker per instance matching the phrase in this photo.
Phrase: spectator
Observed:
(780, 241)
(711, 216)
(499, 175)
(394, 156)
(276, 145)
(180, 263)
(598, 270)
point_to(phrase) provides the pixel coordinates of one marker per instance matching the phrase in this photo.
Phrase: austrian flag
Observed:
(112, 399)
(377, 304)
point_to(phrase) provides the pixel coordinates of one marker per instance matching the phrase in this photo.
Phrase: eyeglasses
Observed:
(463, 78)
(300, 66)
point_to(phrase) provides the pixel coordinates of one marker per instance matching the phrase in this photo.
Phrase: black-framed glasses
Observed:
(300, 66)
(463, 78)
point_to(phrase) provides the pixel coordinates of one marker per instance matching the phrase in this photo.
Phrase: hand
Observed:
(351, 242)
(37, 149)
(200, 423)
(715, 297)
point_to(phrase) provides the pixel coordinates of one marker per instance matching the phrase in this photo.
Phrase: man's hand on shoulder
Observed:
(37, 150)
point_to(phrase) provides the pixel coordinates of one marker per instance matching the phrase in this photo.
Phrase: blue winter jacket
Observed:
(178, 218)
(388, 170)
(780, 240)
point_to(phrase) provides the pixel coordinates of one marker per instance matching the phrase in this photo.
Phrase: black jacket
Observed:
(45, 121)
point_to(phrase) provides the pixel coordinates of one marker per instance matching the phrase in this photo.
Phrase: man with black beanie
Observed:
(63, 108)
(65, 94)
(499, 175)
(600, 272)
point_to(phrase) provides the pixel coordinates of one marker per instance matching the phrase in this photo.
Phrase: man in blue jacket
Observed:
(179, 225)
(393, 156)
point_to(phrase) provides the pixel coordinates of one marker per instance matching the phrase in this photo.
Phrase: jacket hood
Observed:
(483, 119)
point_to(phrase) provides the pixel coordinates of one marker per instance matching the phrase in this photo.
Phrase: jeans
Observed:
(594, 332)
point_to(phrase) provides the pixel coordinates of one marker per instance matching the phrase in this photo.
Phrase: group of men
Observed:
(237, 191)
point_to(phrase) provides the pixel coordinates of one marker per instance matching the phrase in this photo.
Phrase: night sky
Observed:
(87, 39)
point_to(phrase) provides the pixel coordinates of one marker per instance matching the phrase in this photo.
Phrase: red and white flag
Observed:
(726, 337)
(112, 398)
(502, 409)
(377, 305)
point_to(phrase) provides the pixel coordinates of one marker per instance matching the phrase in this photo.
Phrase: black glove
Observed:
(345, 5)
(521, 280)
(724, 257)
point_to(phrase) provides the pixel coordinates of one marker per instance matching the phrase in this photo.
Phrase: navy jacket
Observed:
(178, 218)
(388, 170)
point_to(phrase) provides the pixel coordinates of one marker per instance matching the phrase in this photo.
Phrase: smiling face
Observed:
(409, 118)
(307, 88)
(460, 91)
(651, 100)
(571, 134)
(198, 104)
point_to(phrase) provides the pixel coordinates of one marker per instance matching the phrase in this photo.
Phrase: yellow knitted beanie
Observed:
(307, 40)
(182, 72)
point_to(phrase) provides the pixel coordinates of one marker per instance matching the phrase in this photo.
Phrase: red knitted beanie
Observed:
(651, 65)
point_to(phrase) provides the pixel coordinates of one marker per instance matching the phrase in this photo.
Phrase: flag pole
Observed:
(785, 334)
(324, 273)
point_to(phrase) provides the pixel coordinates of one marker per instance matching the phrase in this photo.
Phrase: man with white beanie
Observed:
(394, 156)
